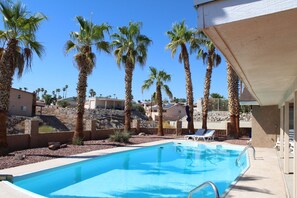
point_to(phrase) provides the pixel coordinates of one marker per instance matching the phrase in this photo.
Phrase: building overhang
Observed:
(259, 39)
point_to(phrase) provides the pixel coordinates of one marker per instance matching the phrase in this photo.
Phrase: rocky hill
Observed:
(106, 118)
(219, 116)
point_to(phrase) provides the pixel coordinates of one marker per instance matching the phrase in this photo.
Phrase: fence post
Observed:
(32, 127)
(178, 127)
(136, 125)
(91, 126)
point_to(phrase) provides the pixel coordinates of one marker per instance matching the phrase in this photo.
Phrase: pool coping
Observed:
(40, 166)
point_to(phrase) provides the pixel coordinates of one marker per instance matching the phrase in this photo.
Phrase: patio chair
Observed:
(291, 140)
(209, 135)
(198, 132)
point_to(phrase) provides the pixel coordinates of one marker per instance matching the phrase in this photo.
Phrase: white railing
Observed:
(243, 151)
(205, 184)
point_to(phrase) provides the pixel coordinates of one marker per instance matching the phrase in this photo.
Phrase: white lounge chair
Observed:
(209, 135)
(291, 140)
(198, 132)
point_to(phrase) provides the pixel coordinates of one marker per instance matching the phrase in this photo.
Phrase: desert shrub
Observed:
(77, 141)
(138, 107)
(120, 136)
(166, 125)
(63, 103)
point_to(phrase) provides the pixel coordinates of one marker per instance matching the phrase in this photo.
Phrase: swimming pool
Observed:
(167, 170)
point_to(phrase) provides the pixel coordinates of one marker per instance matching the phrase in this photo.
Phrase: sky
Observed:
(55, 69)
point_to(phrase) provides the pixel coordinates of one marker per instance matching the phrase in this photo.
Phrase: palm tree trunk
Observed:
(81, 97)
(7, 66)
(233, 102)
(189, 87)
(128, 95)
(206, 92)
(160, 109)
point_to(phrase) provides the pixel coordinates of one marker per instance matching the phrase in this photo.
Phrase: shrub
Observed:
(138, 107)
(120, 136)
(77, 141)
(166, 125)
(63, 103)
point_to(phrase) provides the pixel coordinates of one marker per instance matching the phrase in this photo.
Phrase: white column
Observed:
(281, 136)
(286, 138)
(295, 144)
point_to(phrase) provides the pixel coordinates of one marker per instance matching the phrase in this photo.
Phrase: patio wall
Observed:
(265, 125)
(33, 139)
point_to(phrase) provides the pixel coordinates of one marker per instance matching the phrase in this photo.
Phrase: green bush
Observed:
(120, 136)
(138, 107)
(77, 141)
(63, 103)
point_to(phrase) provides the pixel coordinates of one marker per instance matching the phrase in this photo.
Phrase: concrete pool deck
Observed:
(263, 178)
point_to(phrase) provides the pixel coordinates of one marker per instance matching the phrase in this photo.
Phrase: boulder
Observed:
(19, 156)
(54, 145)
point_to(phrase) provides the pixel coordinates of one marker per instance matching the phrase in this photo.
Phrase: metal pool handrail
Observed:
(243, 151)
(213, 186)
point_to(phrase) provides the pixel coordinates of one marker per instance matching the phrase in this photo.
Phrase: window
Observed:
(23, 108)
(19, 96)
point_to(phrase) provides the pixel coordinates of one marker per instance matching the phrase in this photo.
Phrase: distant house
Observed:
(21, 103)
(246, 98)
(171, 112)
(105, 103)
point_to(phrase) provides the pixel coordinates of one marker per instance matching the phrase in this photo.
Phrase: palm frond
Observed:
(69, 45)
(104, 46)
(167, 91)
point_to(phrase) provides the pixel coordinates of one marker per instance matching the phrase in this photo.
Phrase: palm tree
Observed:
(159, 78)
(180, 36)
(233, 100)
(92, 93)
(66, 87)
(44, 93)
(20, 44)
(37, 93)
(58, 92)
(63, 89)
(206, 51)
(89, 35)
(130, 48)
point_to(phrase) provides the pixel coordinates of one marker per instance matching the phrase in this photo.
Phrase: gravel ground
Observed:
(42, 154)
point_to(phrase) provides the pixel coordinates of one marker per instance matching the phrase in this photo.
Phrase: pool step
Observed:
(5, 177)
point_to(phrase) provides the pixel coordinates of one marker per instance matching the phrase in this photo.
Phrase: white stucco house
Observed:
(105, 103)
(171, 112)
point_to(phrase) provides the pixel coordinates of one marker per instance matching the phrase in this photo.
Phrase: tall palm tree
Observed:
(58, 92)
(181, 36)
(206, 51)
(37, 91)
(159, 78)
(20, 44)
(82, 42)
(233, 100)
(66, 87)
(63, 89)
(130, 48)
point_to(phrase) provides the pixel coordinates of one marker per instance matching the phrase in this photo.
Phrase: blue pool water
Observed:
(167, 170)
